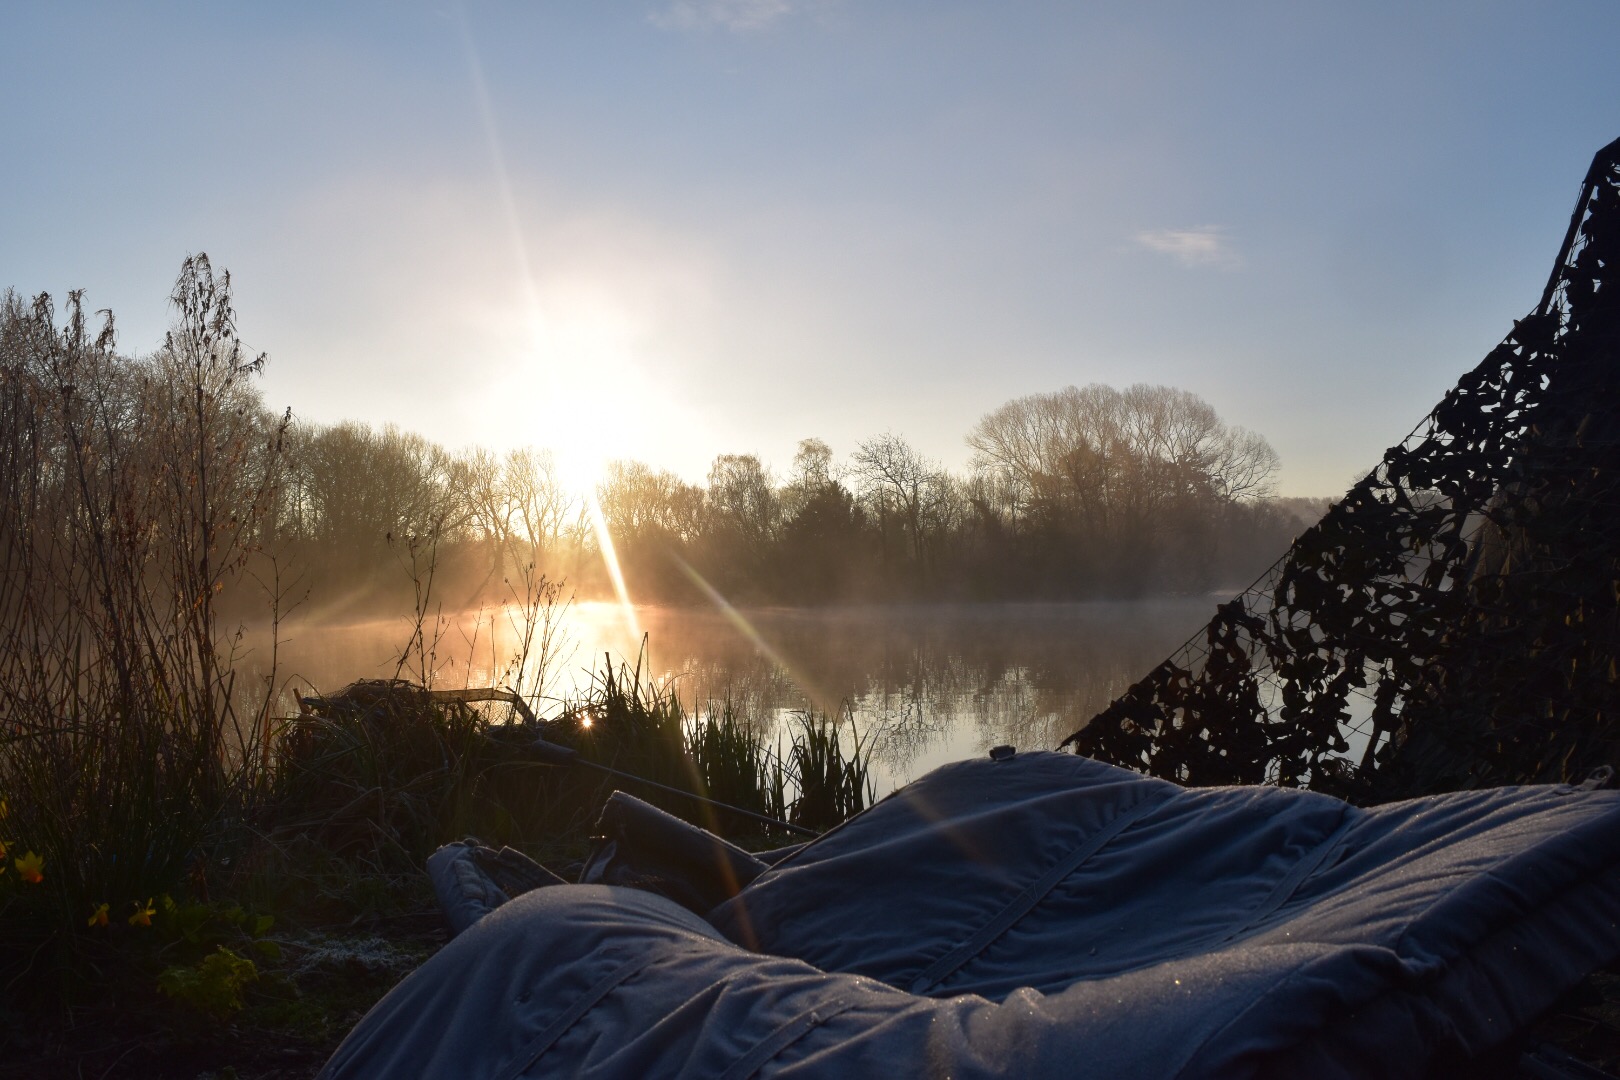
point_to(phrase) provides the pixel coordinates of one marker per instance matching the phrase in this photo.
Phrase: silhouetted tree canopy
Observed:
(1087, 491)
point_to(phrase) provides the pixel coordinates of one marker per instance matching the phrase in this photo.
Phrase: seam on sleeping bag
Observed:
(784, 1036)
(1303, 868)
(834, 831)
(1281, 985)
(1427, 987)
(536, 1047)
(1033, 894)
(1304, 871)
(1586, 871)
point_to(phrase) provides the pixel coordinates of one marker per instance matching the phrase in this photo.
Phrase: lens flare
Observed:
(818, 698)
(497, 157)
(520, 253)
(610, 559)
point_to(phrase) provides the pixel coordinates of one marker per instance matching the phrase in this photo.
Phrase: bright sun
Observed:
(574, 386)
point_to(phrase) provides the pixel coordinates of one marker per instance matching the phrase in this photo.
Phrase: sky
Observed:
(670, 229)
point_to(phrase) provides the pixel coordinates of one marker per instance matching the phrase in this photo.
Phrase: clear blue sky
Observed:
(674, 229)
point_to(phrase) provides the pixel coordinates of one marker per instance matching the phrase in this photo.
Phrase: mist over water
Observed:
(925, 683)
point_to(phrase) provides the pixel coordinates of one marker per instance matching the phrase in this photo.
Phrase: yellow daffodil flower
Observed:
(30, 868)
(99, 918)
(2, 849)
(143, 915)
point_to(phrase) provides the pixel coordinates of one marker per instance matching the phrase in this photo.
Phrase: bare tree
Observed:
(542, 508)
(812, 472)
(1246, 467)
(366, 485)
(742, 502)
(640, 504)
(1033, 443)
(1118, 454)
(1199, 452)
(476, 477)
(899, 483)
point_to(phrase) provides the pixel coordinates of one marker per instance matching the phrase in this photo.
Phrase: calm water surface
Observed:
(926, 684)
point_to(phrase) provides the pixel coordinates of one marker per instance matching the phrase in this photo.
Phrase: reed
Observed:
(832, 782)
(817, 778)
(729, 757)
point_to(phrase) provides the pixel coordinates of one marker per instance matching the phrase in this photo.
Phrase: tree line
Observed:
(1083, 492)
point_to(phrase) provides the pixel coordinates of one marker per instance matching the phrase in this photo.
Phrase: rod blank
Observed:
(554, 754)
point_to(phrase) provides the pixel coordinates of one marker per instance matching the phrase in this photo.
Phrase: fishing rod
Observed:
(555, 754)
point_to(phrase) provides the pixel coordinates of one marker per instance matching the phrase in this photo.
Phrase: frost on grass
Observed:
(321, 954)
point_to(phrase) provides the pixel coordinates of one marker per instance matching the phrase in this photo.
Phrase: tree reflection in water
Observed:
(929, 683)
(926, 683)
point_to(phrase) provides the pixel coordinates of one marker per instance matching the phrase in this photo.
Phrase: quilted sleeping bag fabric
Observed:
(1048, 915)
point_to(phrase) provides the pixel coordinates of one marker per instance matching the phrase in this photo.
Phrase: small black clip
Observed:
(1600, 777)
(1002, 753)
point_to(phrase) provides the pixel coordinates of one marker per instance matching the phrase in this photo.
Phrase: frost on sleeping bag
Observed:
(1047, 915)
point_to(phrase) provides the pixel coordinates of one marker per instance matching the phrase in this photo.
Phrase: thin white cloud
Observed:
(1201, 245)
(735, 15)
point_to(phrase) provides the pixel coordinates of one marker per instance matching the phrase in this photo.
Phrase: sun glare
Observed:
(610, 558)
(574, 386)
(818, 697)
(580, 465)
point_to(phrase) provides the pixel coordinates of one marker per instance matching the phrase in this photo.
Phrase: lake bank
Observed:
(931, 682)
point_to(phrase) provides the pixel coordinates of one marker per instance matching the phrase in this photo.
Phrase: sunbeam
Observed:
(610, 559)
(520, 253)
(497, 158)
(818, 698)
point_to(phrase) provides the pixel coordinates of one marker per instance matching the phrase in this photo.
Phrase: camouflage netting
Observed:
(1452, 622)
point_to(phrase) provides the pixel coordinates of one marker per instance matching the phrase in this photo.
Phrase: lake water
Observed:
(926, 684)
